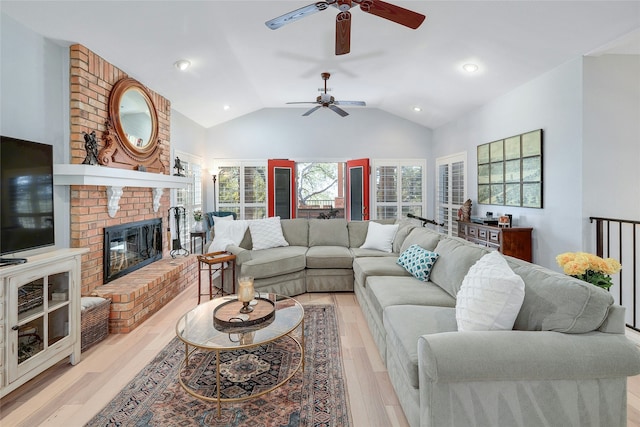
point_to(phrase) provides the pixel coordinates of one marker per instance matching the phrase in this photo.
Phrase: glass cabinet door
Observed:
(41, 317)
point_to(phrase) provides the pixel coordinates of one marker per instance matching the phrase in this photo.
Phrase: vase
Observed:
(198, 227)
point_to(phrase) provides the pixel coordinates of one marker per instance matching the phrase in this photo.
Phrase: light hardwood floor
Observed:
(69, 396)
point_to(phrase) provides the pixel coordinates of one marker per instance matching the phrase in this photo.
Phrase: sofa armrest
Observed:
(525, 355)
(242, 255)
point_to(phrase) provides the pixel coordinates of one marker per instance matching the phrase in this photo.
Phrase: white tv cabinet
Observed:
(39, 315)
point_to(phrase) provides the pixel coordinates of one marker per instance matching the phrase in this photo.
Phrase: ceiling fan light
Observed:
(182, 64)
(417, 109)
(470, 68)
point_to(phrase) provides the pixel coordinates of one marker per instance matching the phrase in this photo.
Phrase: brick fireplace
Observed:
(91, 81)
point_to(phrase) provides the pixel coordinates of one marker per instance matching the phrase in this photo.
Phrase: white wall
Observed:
(552, 102)
(34, 101)
(611, 139)
(284, 133)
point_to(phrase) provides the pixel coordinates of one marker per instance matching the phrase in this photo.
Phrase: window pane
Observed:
(386, 184)
(255, 184)
(229, 185)
(412, 184)
(457, 183)
(255, 212)
(383, 212)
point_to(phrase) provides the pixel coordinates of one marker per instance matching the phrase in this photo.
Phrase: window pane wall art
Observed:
(510, 171)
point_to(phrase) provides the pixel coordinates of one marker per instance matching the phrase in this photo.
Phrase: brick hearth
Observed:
(140, 294)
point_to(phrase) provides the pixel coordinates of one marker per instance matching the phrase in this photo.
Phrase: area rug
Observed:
(316, 397)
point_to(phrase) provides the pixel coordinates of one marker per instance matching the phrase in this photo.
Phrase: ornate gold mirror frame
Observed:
(131, 137)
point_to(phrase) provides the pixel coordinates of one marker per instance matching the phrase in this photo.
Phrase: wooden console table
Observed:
(515, 242)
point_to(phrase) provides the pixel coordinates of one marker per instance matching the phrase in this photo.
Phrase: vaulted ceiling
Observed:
(238, 62)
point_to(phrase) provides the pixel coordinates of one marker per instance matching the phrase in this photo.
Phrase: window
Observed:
(242, 188)
(320, 189)
(189, 198)
(399, 188)
(451, 190)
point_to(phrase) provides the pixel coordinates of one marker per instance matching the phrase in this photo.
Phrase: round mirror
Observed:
(134, 116)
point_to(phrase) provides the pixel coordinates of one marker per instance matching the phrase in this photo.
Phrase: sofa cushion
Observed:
(329, 257)
(423, 237)
(296, 231)
(404, 324)
(405, 226)
(275, 262)
(267, 233)
(456, 258)
(328, 232)
(376, 266)
(418, 261)
(380, 237)
(556, 302)
(490, 296)
(385, 291)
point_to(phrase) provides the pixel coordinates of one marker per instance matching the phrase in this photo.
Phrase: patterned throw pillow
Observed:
(418, 261)
(267, 233)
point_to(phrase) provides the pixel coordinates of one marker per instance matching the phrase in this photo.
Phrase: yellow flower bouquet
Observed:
(588, 267)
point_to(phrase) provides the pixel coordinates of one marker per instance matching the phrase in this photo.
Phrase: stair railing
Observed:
(618, 238)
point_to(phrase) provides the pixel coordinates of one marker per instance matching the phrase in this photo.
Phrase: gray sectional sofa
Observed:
(565, 363)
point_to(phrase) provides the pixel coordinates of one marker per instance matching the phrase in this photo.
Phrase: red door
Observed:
(281, 195)
(358, 174)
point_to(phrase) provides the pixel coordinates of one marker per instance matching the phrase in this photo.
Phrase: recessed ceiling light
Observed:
(182, 64)
(417, 109)
(470, 68)
(226, 107)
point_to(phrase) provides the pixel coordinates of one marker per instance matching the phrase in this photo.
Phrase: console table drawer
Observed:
(515, 242)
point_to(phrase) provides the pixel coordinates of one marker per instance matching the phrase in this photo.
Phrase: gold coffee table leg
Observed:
(218, 382)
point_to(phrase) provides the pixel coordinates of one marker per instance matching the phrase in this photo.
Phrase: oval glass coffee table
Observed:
(202, 335)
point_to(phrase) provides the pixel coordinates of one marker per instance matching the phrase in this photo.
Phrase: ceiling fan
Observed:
(379, 8)
(328, 101)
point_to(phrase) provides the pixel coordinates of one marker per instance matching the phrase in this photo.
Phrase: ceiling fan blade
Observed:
(360, 103)
(343, 33)
(303, 102)
(394, 13)
(338, 110)
(312, 110)
(294, 15)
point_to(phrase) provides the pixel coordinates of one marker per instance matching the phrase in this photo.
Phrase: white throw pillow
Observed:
(490, 296)
(222, 218)
(227, 233)
(380, 236)
(267, 233)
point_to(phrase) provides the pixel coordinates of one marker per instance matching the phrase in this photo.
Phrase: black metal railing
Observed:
(618, 238)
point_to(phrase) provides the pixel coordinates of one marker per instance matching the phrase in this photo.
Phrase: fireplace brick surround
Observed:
(139, 294)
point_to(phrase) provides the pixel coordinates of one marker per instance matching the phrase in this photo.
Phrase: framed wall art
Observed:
(510, 171)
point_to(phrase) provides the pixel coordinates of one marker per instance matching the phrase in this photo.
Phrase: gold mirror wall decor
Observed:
(131, 138)
(510, 171)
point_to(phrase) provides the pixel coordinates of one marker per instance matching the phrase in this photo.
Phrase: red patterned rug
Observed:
(316, 397)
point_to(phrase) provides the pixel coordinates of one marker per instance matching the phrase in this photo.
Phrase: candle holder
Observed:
(245, 294)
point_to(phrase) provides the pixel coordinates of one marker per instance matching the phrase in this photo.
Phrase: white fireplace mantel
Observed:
(115, 180)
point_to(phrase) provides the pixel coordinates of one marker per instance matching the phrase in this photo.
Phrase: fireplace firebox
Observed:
(128, 247)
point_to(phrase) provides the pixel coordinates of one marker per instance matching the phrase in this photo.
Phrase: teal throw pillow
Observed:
(418, 261)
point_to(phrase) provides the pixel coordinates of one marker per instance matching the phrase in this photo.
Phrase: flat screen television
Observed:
(26, 196)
